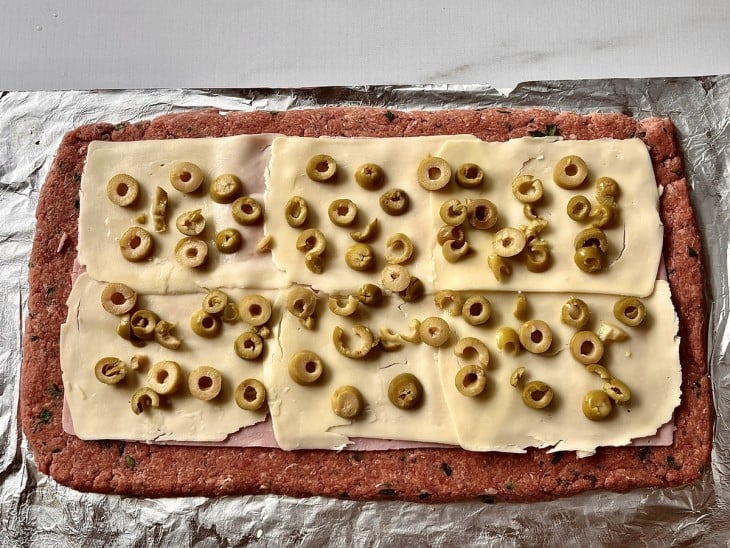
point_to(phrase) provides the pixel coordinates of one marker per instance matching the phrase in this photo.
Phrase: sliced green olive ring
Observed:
(144, 398)
(599, 370)
(143, 324)
(596, 405)
(342, 212)
(312, 241)
(481, 213)
(395, 277)
(164, 377)
(367, 233)
(186, 177)
(159, 210)
(476, 310)
(110, 370)
(537, 256)
(347, 402)
(414, 332)
(369, 176)
(250, 395)
(589, 259)
(453, 212)
(608, 332)
(586, 347)
(509, 242)
(617, 390)
(399, 249)
(321, 168)
(528, 210)
(191, 223)
(367, 341)
(164, 336)
(255, 310)
(601, 215)
(370, 294)
(343, 305)
(537, 394)
(118, 298)
(124, 328)
(434, 331)
(204, 324)
(122, 189)
(629, 311)
(578, 208)
(191, 252)
(508, 341)
(390, 340)
(305, 367)
(225, 188)
(248, 345)
(591, 237)
(246, 211)
(446, 233)
(296, 211)
(536, 336)
(570, 172)
(136, 244)
(469, 175)
(205, 382)
(301, 302)
(527, 189)
(467, 347)
(450, 301)
(499, 267)
(455, 250)
(414, 292)
(471, 380)
(215, 301)
(607, 190)
(575, 313)
(228, 240)
(405, 391)
(360, 257)
(516, 377)
(394, 202)
(433, 173)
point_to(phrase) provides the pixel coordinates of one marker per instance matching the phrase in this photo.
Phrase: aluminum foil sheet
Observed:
(36, 511)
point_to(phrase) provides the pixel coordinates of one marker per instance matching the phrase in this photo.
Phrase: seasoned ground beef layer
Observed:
(413, 474)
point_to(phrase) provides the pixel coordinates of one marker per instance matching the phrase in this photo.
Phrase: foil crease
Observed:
(36, 511)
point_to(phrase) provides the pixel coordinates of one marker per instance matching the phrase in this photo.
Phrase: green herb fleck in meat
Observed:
(389, 115)
(673, 464)
(446, 469)
(54, 390)
(76, 177)
(119, 127)
(552, 129)
(510, 485)
(644, 452)
(129, 461)
(556, 458)
(44, 417)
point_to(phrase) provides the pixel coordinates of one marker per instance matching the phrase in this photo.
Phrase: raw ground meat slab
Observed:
(429, 475)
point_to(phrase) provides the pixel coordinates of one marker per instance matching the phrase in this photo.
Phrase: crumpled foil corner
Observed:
(36, 511)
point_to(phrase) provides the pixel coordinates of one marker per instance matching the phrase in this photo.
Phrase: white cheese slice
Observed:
(101, 223)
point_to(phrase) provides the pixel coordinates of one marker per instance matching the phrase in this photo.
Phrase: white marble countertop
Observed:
(227, 43)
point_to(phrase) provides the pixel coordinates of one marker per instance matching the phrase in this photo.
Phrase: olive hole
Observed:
(185, 176)
(118, 298)
(343, 210)
(472, 172)
(434, 331)
(311, 241)
(250, 393)
(574, 313)
(481, 213)
(507, 242)
(631, 312)
(249, 344)
(135, 242)
(122, 189)
(299, 305)
(475, 309)
(587, 348)
(434, 173)
(204, 383)
(109, 369)
(207, 322)
(536, 336)
(191, 252)
(592, 263)
(470, 379)
(254, 310)
(571, 170)
(457, 244)
(161, 376)
(537, 395)
(322, 167)
(247, 208)
(310, 367)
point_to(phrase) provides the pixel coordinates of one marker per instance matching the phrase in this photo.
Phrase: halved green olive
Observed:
(144, 398)
(215, 301)
(499, 266)
(455, 250)
(305, 367)
(248, 345)
(520, 309)
(369, 294)
(537, 394)
(143, 324)
(360, 257)
(599, 370)
(228, 240)
(343, 305)
(347, 402)
(414, 292)
(578, 208)
(255, 310)
(601, 215)
(509, 242)
(390, 340)
(110, 370)
(433, 173)
(399, 248)
(629, 311)
(575, 313)
(570, 172)
(481, 213)
(312, 241)
(586, 347)
(450, 301)
(450, 233)
(367, 341)
(607, 190)
(405, 391)
(395, 277)
(596, 405)
(250, 395)
(434, 331)
(191, 223)
(508, 341)
(265, 244)
(589, 259)
(159, 210)
(394, 201)
(124, 328)
(122, 189)
(205, 382)
(164, 336)
(118, 298)
(608, 332)
(527, 189)
(138, 361)
(191, 252)
(369, 176)
(230, 313)
(528, 210)
(301, 302)
(136, 244)
(204, 324)
(186, 177)
(516, 376)
(537, 256)
(536, 336)
(453, 212)
(466, 347)
(471, 380)
(296, 211)
(342, 212)
(414, 332)
(321, 168)
(617, 390)
(469, 175)
(164, 377)
(225, 188)
(367, 233)
(476, 310)
(591, 237)
(246, 211)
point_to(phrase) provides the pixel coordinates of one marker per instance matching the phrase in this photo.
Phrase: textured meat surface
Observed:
(427, 475)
